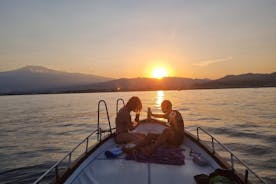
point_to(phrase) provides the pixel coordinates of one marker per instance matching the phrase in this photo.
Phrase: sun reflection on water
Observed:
(159, 98)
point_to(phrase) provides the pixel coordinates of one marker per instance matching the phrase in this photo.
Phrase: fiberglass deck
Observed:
(98, 169)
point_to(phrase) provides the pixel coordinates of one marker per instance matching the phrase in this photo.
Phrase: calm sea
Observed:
(38, 130)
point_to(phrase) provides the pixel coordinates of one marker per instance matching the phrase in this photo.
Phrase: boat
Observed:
(92, 166)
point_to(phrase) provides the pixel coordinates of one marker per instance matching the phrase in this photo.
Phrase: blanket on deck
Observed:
(163, 155)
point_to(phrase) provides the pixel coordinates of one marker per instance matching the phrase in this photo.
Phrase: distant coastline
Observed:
(33, 80)
(114, 91)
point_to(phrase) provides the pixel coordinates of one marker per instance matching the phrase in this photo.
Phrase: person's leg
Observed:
(138, 138)
(161, 140)
(173, 141)
(138, 134)
(146, 140)
(140, 142)
(153, 136)
(125, 138)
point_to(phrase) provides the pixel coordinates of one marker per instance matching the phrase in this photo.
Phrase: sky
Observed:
(129, 38)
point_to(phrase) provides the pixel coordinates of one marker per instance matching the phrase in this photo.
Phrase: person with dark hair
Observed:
(173, 135)
(124, 125)
(166, 107)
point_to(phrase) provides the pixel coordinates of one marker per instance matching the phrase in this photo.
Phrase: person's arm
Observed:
(158, 115)
(133, 125)
(165, 116)
(161, 122)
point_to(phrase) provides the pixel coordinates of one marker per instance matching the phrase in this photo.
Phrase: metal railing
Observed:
(117, 104)
(232, 155)
(68, 157)
(100, 131)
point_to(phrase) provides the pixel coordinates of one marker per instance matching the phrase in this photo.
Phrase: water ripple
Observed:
(37, 130)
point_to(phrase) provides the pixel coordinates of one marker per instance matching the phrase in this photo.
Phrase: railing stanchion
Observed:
(69, 159)
(100, 132)
(56, 171)
(232, 161)
(86, 148)
(213, 145)
(98, 124)
(197, 133)
(246, 176)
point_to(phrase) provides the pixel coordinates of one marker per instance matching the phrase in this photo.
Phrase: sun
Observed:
(159, 72)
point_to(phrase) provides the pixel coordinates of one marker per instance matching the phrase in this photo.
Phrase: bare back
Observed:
(123, 121)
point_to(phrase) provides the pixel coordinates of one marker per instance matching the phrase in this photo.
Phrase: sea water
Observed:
(38, 130)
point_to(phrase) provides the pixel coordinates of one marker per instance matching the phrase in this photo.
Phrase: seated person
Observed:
(124, 125)
(173, 135)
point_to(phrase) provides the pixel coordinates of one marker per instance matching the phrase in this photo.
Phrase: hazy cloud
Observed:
(212, 61)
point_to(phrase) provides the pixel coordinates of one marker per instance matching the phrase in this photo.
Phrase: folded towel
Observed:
(198, 159)
(163, 155)
(113, 152)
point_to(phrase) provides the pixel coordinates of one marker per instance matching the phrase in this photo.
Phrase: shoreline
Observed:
(109, 91)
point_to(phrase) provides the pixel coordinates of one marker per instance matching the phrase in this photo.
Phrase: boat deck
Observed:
(98, 169)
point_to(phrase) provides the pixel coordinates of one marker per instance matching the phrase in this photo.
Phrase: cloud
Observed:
(212, 61)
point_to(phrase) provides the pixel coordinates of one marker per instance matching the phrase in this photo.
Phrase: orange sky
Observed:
(129, 38)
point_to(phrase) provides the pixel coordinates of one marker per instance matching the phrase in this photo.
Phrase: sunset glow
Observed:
(159, 72)
(129, 39)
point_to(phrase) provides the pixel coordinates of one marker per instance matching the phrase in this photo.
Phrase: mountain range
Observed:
(38, 79)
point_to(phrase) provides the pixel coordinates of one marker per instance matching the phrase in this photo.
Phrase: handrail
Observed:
(98, 131)
(117, 104)
(69, 155)
(232, 155)
(98, 124)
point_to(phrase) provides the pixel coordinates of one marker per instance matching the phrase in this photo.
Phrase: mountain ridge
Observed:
(179, 83)
(38, 79)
